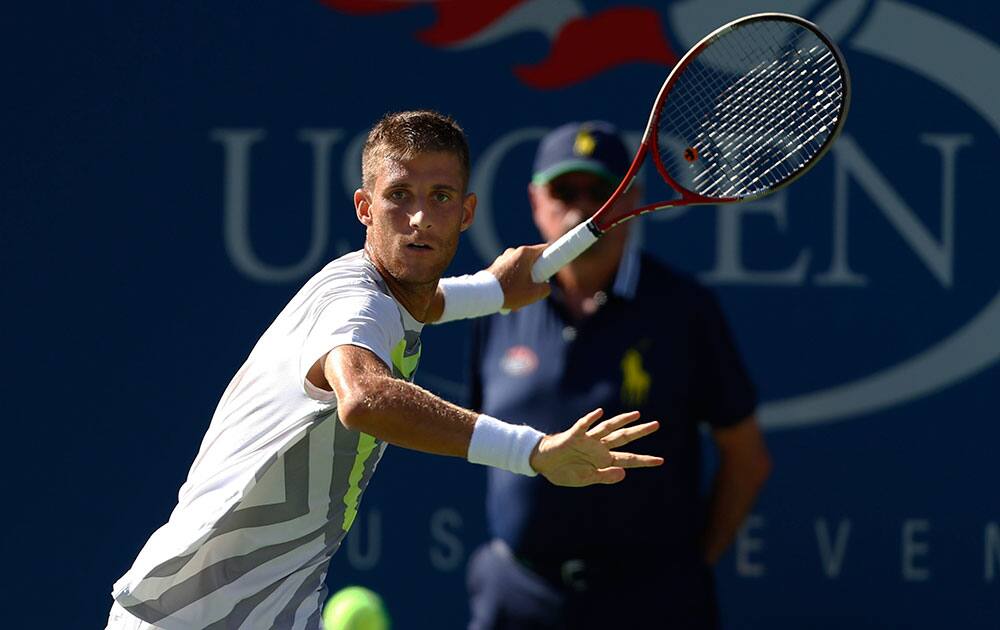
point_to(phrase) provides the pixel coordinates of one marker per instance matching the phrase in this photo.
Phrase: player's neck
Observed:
(415, 298)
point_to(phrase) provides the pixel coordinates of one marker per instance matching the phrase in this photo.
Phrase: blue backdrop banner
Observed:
(172, 174)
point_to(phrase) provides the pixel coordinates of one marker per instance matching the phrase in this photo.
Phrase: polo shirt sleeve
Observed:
(723, 392)
(358, 315)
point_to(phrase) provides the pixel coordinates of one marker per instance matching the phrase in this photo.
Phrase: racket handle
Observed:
(564, 250)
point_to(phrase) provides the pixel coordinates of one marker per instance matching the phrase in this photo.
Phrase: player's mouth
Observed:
(420, 247)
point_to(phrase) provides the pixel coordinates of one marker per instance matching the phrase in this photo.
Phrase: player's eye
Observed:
(397, 195)
(442, 197)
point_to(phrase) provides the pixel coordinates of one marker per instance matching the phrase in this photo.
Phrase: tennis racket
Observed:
(748, 110)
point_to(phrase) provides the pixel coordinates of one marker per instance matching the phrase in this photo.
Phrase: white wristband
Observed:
(470, 296)
(502, 445)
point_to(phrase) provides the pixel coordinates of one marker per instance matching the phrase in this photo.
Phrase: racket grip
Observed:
(564, 250)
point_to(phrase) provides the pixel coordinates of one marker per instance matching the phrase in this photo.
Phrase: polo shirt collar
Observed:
(627, 277)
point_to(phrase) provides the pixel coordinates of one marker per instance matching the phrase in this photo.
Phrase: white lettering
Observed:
(451, 553)
(912, 549)
(840, 273)
(729, 266)
(832, 554)
(483, 233)
(236, 203)
(937, 256)
(746, 545)
(991, 550)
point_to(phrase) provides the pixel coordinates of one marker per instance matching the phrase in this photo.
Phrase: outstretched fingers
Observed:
(584, 423)
(634, 460)
(611, 424)
(621, 437)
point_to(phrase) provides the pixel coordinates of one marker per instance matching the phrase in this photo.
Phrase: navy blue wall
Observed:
(866, 299)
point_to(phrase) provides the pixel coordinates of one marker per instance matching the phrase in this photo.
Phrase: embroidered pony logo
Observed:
(635, 379)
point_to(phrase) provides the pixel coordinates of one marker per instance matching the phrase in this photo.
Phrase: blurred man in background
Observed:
(620, 330)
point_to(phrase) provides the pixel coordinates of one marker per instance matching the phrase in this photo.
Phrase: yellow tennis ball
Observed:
(355, 608)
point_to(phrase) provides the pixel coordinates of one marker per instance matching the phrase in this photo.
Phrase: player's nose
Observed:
(420, 219)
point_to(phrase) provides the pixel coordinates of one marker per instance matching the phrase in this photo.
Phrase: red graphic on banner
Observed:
(583, 46)
(586, 47)
(458, 21)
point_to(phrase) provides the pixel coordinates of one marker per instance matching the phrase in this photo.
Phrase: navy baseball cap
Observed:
(591, 147)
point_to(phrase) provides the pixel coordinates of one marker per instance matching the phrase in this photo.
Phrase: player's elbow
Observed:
(354, 411)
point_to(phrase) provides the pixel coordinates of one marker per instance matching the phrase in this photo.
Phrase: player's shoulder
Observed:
(349, 281)
(352, 273)
(352, 268)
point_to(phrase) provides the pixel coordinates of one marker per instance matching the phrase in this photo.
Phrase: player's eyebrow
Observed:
(399, 182)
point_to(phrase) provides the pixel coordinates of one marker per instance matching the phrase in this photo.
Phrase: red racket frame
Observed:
(603, 220)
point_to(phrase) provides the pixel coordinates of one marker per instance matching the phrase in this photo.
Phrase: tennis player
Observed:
(297, 435)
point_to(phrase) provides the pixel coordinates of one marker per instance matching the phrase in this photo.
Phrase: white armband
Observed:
(470, 296)
(503, 445)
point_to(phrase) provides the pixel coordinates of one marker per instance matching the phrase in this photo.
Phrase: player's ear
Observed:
(468, 210)
(363, 206)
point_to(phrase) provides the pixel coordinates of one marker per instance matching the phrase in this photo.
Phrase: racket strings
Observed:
(782, 113)
(753, 109)
(744, 141)
(743, 129)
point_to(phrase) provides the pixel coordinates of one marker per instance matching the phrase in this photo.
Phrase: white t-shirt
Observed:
(277, 480)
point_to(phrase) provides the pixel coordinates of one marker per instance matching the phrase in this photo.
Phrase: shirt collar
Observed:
(627, 277)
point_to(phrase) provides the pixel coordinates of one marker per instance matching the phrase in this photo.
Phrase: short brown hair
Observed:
(402, 135)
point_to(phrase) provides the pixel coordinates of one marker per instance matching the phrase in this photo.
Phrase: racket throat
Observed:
(596, 231)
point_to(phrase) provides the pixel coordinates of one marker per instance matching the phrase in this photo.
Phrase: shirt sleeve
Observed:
(358, 316)
(724, 392)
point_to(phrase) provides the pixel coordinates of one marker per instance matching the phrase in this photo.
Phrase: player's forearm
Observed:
(734, 492)
(407, 415)
(370, 400)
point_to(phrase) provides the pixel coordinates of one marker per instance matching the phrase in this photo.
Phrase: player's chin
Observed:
(421, 267)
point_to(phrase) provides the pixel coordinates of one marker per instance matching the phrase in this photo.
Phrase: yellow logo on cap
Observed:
(584, 144)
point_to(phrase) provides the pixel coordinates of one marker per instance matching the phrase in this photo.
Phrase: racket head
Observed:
(746, 111)
(749, 109)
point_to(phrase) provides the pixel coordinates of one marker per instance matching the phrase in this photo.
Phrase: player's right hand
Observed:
(513, 270)
(582, 456)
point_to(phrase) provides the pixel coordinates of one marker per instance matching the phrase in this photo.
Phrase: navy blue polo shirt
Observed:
(659, 344)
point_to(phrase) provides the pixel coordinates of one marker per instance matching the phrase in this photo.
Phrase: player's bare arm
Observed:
(369, 399)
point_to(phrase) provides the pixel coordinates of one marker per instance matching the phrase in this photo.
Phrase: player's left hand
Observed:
(582, 456)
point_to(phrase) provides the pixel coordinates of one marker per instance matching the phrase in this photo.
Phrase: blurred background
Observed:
(173, 173)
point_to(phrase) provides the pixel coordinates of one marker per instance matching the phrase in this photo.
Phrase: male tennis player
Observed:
(298, 432)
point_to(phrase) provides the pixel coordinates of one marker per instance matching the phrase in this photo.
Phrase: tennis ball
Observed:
(355, 608)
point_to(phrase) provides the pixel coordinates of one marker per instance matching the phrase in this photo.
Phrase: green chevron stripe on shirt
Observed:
(405, 365)
(366, 444)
